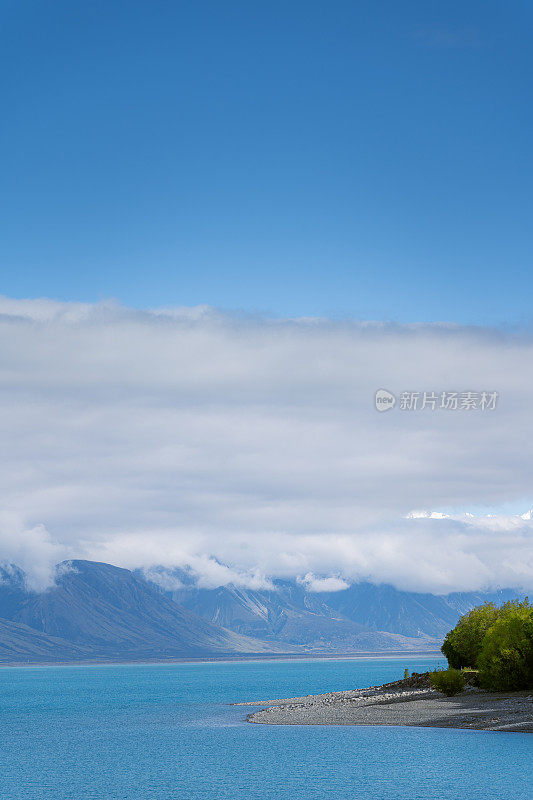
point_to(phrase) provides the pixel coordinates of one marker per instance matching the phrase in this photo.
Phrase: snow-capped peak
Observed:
(427, 515)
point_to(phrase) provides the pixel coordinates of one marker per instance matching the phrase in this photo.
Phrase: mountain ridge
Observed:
(97, 611)
(104, 611)
(361, 608)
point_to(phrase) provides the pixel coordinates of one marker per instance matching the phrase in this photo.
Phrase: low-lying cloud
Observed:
(250, 448)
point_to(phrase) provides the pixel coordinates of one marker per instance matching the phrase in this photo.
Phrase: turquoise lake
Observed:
(161, 732)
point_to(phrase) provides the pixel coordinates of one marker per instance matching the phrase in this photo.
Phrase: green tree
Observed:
(462, 645)
(506, 659)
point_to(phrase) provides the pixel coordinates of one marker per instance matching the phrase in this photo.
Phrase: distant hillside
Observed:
(100, 611)
(292, 616)
(18, 643)
(382, 607)
(363, 616)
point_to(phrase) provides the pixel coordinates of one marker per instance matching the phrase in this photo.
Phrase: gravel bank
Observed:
(393, 704)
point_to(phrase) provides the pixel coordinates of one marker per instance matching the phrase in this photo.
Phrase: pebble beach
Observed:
(396, 704)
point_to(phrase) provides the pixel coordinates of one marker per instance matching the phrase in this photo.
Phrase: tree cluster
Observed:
(496, 641)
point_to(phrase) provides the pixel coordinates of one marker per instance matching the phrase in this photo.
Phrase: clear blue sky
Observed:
(368, 158)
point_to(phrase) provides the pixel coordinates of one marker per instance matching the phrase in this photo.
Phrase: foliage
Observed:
(462, 645)
(506, 659)
(448, 681)
(453, 655)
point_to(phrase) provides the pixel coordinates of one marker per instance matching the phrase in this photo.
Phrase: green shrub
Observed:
(448, 681)
(506, 659)
(462, 645)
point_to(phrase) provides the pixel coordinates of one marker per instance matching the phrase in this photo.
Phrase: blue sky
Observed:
(367, 159)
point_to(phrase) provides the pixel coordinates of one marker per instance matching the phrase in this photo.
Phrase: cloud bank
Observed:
(187, 436)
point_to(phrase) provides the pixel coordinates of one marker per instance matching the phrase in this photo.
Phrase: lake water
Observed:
(166, 732)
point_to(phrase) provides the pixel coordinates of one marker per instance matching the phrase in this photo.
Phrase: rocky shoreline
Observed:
(410, 702)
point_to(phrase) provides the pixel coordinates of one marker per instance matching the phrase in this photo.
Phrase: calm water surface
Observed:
(167, 731)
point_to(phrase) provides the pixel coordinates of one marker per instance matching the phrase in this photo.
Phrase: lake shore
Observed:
(398, 704)
(225, 658)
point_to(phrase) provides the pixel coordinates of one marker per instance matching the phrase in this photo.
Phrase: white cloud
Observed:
(165, 579)
(205, 573)
(189, 436)
(330, 584)
(32, 549)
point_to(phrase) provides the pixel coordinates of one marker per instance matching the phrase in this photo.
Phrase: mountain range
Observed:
(364, 616)
(97, 611)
